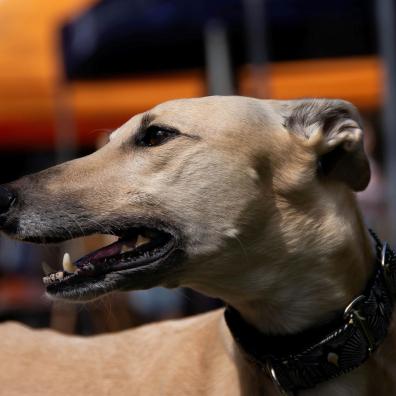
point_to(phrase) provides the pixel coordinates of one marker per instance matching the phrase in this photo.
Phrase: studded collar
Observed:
(301, 361)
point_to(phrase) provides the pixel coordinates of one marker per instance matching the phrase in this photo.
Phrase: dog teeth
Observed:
(47, 269)
(59, 275)
(125, 248)
(51, 278)
(67, 264)
(141, 240)
(88, 267)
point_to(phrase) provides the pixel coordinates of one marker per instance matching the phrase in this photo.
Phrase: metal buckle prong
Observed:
(386, 270)
(355, 317)
(275, 380)
(383, 256)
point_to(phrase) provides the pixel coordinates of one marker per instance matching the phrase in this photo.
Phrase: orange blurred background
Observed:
(33, 88)
(47, 114)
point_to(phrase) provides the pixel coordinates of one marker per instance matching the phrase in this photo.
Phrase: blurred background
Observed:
(71, 71)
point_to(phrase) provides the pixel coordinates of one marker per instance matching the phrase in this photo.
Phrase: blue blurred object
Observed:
(120, 36)
(117, 37)
(157, 302)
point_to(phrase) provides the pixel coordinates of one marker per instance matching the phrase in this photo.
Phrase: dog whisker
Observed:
(70, 216)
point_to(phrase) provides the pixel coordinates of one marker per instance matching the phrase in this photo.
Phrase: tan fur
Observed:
(262, 232)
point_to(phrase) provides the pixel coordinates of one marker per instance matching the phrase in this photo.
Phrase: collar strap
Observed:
(303, 360)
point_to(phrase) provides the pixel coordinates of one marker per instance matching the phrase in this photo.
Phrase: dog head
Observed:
(201, 193)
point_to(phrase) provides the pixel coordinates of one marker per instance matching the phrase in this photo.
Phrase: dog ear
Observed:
(333, 129)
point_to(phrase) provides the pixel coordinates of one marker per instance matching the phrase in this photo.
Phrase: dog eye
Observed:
(154, 136)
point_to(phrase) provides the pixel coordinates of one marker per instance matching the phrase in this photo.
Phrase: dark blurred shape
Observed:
(386, 14)
(119, 37)
(218, 63)
(6, 199)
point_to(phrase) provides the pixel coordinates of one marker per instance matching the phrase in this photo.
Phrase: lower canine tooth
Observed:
(67, 264)
(125, 248)
(47, 269)
(141, 240)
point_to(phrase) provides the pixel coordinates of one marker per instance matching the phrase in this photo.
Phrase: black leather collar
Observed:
(301, 361)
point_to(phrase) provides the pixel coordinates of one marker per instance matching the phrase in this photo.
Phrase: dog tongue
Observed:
(107, 251)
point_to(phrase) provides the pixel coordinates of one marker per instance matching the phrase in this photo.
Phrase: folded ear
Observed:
(333, 129)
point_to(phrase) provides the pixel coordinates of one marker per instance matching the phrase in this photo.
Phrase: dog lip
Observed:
(110, 256)
(130, 242)
(109, 260)
(80, 287)
(59, 235)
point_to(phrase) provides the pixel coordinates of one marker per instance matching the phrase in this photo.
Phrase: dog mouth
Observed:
(138, 251)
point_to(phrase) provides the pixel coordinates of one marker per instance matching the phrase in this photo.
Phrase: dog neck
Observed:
(292, 360)
(316, 281)
(304, 273)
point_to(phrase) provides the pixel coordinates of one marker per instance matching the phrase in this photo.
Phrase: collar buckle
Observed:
(275, 381)
(354, 316)
(351, 339)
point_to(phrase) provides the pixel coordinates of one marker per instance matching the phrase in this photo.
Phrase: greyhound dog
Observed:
(250, 201)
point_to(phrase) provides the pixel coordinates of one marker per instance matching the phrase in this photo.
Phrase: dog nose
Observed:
(7, 198)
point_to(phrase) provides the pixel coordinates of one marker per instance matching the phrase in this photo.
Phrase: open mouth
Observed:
(98, 272)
